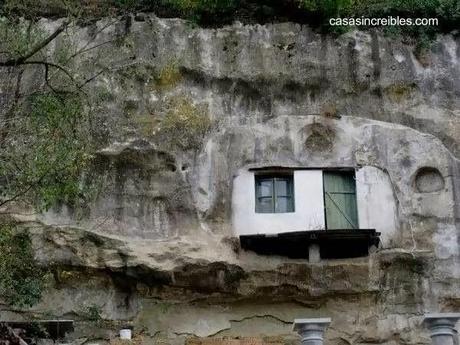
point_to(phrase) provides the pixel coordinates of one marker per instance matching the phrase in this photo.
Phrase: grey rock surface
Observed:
(156, 248)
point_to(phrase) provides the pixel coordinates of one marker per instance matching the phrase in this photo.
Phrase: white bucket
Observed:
(125, 334)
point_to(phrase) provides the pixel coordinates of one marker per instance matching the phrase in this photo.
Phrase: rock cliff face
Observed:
(157, 248)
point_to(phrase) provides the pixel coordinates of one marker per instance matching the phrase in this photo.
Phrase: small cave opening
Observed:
(171, 167)
(428, 180)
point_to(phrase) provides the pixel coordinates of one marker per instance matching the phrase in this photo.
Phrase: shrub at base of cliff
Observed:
(185, 124)
(21, 280)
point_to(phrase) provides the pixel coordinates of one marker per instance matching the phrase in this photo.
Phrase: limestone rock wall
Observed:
(156, 248)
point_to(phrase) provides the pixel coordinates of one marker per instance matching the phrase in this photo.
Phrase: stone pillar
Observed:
(311, 330)
(442, 328)
(314, 253)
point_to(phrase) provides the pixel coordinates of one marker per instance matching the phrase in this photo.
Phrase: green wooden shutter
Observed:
(340, 200)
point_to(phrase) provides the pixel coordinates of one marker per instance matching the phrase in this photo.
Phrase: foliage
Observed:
(199, 10)
(102, 94)
(21, 280)
(32, 9)
(326, 8)
(65, 49)
(148, 124)
(45, 152)
(17, 38)
(130, 106)
(45, 142)
(92, 313)
(219, 12)
(399, 92)
(168, 76)
(140, 72)
(185, 124)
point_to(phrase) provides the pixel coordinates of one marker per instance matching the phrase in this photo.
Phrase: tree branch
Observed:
(52, 64)
(85, 47)
(87, 81)
(25, 190)
(48, 81)
(20, 193)
(39, 46)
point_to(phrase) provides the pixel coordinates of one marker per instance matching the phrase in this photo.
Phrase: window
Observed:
(274, 194)
(340, 200)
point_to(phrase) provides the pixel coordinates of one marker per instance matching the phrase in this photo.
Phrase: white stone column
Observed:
(442, 328)
(314, 253)
(311, 330)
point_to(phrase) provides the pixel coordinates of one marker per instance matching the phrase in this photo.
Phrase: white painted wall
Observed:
(376, 202)
(309, 207)
(377, 207)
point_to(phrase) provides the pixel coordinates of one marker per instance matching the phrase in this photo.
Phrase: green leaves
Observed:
(21, 280)
(219, 12)
(198, 11)
(47, 151)
(17, 36)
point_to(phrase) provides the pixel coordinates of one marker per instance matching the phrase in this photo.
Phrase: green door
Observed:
(340, 200)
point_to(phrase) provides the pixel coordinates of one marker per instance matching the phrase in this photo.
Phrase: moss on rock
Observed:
(185, 124)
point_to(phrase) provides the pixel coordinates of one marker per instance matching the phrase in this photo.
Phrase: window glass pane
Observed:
(284, 204)
(265, 187)
(265, 205)
(282, 187)
(269, 189)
